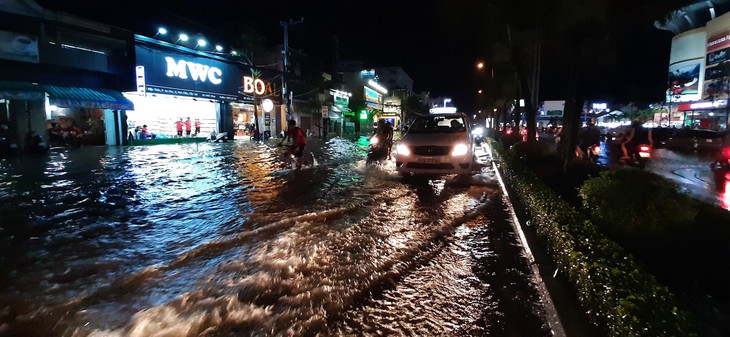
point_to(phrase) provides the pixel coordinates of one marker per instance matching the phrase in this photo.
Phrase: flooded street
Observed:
(224, 240)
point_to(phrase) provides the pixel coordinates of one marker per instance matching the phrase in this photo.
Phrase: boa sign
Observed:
(257, 86)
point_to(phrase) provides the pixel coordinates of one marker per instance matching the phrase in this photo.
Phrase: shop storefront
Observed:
(62, 80)
(702, 115)
(176, 84)
(258, 99)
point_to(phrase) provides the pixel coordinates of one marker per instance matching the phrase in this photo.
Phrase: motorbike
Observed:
(8, 148)
(639, 155)
(378, 150)
(36, 145)
(723, 160)
(591, 152)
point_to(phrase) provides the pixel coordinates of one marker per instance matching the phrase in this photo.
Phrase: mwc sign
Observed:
(194, 71)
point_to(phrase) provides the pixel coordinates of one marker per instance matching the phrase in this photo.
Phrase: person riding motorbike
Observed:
(637, 135)
(589, 136)
(384, 136)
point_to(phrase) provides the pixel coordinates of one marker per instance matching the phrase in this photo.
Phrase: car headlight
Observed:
(373, 140)
(477, 132)
(460, 150)
(402, 150)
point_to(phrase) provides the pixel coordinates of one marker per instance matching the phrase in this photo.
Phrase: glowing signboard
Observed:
(198, 72)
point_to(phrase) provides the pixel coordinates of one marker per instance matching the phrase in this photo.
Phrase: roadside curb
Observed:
(553, 318)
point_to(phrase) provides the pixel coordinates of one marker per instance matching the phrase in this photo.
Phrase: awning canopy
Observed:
(66, 97)
(21, 90)
(73, 97)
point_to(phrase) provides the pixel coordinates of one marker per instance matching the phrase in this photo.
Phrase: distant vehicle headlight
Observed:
(477, 132)
(402, 150)
(460, 150)
(373, 140)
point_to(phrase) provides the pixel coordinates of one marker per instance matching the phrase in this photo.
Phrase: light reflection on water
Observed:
(215, 238)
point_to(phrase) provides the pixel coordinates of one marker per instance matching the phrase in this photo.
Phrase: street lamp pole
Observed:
(284, 93)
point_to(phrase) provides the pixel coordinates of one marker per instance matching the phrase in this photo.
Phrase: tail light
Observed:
(509, 131)
(726, 152)
(644, 148)
(596, 150)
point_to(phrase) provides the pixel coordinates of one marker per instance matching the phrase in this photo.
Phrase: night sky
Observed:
(427, 38)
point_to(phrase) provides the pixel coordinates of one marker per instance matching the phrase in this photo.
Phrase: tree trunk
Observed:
(524, 85)
(571, 119)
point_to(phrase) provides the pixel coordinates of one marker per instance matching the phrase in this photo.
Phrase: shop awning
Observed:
(21, 90)
(73, 97)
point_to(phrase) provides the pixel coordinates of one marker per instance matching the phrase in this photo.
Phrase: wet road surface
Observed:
(224, 240)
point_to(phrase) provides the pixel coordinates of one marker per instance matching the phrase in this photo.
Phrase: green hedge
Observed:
(619, 296)
(636, 202)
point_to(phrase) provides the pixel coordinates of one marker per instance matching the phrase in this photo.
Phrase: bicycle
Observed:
(291, 158)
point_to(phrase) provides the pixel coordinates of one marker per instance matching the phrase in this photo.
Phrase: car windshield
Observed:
(438, 124)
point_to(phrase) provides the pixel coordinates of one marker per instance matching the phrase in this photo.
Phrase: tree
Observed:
(570, 38)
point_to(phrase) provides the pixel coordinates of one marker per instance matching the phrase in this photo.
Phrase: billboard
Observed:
(18, 47)
(684, 81)
(372, 98)
(553, 108)
(173, 73)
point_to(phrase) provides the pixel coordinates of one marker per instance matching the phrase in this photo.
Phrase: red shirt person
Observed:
(188, 127)
(179, 127)
(298, 141)
(197, 126)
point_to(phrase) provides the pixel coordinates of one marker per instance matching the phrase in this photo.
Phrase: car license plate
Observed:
(428, 160)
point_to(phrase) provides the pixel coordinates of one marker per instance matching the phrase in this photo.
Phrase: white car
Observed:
(436, 144)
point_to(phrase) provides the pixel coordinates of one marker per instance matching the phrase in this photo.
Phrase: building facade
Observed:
(62, 71)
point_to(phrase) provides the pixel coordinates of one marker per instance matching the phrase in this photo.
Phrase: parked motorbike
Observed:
(36, 145)
(8, 148)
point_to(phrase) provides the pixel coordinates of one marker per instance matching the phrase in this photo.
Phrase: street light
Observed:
(160, 31)
(480, 65)
(480, 91)
(218, 47)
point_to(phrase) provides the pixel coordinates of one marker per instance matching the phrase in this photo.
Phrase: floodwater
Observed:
(225, 240)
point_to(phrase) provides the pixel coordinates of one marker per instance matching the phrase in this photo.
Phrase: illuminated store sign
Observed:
(198, 72)
(170, 72)
(372, 98)
(718, 41)
(258, 86)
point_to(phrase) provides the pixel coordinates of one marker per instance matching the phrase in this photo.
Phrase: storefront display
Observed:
(177, 86)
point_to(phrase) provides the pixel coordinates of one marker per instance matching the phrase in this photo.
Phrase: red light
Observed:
(644, 148)
(726, 152)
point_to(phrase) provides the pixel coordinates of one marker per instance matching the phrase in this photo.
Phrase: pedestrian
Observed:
(197, 126)
(179, 127)
(188, 127)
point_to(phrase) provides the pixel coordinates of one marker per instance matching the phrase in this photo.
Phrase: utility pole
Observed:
(284, 93)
